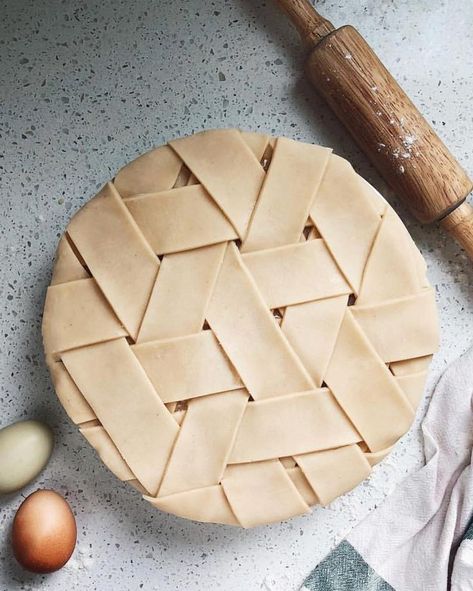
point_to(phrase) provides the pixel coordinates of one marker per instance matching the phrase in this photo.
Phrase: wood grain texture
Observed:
(459, 224)
(387, 125)
(312, 27)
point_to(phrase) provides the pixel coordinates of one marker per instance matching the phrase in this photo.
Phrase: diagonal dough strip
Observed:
(334, 472)
(206, 436)
(288, 191)
(116, 387)
(157, 170)
(248, 333)
(257, 142)
(312, 330)
(413, 387)
(76, 314)
(366, 389)
(343, 213)
(111, 243)
(100, 440)
(74, 403)
(302, 485)
(392, 267)
(261, 493)
(237, 186)
(181, 293)
(67, 266)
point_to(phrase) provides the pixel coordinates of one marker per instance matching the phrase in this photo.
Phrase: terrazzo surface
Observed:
(84, 88)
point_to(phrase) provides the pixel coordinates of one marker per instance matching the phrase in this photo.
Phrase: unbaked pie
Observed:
(240, 325)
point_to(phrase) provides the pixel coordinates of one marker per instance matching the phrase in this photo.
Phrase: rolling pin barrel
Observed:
(387, 125)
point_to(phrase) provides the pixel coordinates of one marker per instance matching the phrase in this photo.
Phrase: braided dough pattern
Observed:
(240, 326)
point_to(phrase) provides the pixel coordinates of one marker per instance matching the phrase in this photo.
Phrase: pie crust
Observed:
(240, 325)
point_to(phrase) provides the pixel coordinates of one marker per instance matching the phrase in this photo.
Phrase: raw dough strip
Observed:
(401, 329)
(312, 330)
(288, 191)
(377, 200)
(181, 293)
(248, 333)
(209, 505)
(187, 367)
(77, 314)
(240, 175)
(257, 142)
(376, 457)
(289, 425)
(302, 485)
(409, 366)
(334, 472)
(116, 387)
(206, 436)
(67, 266)
(180, 219)
(262, 493)
(391, 270)
(108, 452)
(111, 243)
(156, 170)
(366, 389)
(296, 273)
(420, 264)
(413, 387)
(348, 230)
(76, 406)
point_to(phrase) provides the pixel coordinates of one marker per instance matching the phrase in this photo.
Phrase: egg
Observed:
(44, 532)
(25, 448)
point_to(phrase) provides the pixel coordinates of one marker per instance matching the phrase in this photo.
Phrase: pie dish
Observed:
(240, 325)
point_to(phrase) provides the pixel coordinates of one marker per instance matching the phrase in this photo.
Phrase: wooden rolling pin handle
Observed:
(459, 224)
(387, 125)
(312, 27)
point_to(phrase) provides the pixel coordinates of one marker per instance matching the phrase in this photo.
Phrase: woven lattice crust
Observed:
(240, 326)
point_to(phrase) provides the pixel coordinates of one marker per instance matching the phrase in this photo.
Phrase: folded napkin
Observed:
(419, 539)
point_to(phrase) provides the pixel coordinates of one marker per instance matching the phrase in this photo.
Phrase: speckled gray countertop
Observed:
(84, 88)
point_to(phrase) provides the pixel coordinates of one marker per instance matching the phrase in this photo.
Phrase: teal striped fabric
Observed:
(344, 570)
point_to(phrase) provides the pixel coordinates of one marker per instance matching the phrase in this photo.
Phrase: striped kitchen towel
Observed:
(420, 538)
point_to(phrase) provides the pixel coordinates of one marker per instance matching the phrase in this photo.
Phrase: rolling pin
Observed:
(384, 122)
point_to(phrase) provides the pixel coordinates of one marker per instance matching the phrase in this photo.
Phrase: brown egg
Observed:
(44, 532)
